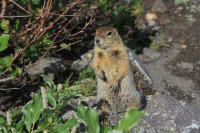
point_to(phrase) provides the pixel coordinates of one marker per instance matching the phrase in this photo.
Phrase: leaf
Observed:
(4, 25)
(16, 24)
(4, 38)
(49, 82)
(24, 1)
(47, 41)
(16, 72)
(131, 118)
(90, 117)
(48, 115)
(40, 127)
(63, 128)
(6, 61)
(74, 87)
(36, 2)
(65, 46)
(32, 111)
(51, 99)
(105, 129)
(20, 125)
(2, 120)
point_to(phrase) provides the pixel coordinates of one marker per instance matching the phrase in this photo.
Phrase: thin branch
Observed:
(3, 10)
(19, 6)
(15, 16)
(5, 80)
(62, 15)
(9, 89)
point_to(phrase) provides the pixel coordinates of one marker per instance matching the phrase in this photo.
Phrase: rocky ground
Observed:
(176, 69)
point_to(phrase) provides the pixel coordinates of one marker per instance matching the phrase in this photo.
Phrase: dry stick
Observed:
(26, 16)
(67, 9)
(19, 6)
(9, 89)
(44, 15)
(61, 15)
(4, 5)
(90, 21)
(38, 35)
(5, 80)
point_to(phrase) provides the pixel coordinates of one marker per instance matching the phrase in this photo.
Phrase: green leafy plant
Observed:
(91, 119)
(45, 110)
(87, 73)
(154, 45)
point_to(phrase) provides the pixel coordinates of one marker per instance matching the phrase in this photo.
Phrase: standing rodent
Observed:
(116, 89)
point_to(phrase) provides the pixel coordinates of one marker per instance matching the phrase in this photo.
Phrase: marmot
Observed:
(116, 89)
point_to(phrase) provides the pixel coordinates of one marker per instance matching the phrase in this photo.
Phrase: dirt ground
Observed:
(177, 71)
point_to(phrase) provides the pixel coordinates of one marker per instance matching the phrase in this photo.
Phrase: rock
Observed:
(150, 19)
(140, 24)
(83, 62)
(159, 7)
(151, 53)
(165, 114)
(69, 114)
(48, 65)
(186, 65)
(150, 16)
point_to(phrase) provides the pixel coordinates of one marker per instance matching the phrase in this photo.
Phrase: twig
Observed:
(62, 15)
(4, 5)
(9, 89)
(19, 6)
(15, 16)
(5, 89)
(5, 80)
(40, 31)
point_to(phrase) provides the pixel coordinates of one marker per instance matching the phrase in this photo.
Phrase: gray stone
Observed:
(140, 24)
(151, 23)
(166, 114)
(186, 65)
(163, 114)
(83, 62)
(159, 7)
(48, 65)
(151, 53)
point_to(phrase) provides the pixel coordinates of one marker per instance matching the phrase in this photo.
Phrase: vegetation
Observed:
(45, 111)
(35, 29)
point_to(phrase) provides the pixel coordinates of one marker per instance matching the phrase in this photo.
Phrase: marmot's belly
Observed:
(121, 100)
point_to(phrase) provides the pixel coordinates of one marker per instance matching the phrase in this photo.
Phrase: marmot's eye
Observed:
(109, 33)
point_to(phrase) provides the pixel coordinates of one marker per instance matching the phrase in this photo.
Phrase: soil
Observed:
(169, 74)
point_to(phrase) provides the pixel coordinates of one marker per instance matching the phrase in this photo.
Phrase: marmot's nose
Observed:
(97, 40)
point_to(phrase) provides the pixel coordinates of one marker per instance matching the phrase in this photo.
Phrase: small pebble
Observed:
(186, 65)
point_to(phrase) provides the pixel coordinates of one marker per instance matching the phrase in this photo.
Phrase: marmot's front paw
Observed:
(102, 76)
(115, 89)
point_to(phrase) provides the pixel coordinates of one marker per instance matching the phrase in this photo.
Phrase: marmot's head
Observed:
(107, 37)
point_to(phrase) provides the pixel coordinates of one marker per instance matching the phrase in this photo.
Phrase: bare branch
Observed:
(19, 6)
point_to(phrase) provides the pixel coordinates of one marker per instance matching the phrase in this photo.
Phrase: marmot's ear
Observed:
(115, 31)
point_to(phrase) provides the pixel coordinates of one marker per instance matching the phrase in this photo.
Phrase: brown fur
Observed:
(115, 81)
